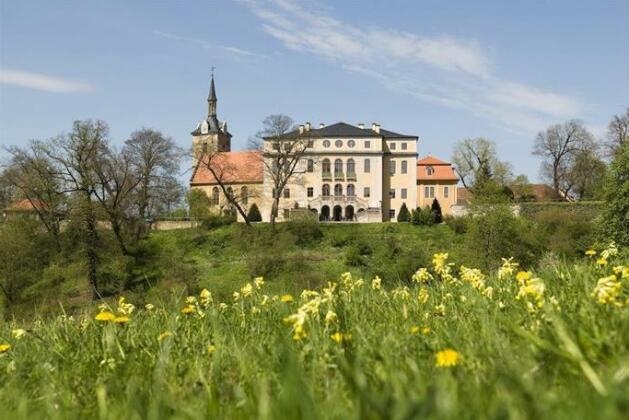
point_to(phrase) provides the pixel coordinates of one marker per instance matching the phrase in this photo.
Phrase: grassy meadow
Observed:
(447, 342)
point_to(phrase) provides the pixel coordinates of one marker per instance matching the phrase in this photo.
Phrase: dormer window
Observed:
(430, 170)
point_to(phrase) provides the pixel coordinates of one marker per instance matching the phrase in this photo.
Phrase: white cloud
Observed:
(449, 71)
(43, 82)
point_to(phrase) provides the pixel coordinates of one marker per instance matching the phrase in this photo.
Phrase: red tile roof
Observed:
(442, 171)
(231, 167)
(26, 205)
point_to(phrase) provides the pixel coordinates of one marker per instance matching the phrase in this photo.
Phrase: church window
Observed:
(230, 193)
(244, 195)
(215, 196)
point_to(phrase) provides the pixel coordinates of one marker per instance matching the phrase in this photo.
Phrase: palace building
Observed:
(352, 173)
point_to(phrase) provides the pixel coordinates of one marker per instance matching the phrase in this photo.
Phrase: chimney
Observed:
(301, 129)
(308, 126)
(361, 126)
(321, 126)
(375, 127)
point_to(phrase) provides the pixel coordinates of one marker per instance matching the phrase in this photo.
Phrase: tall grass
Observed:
(349, 350)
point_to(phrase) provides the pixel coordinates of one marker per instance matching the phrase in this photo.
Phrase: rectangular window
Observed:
(429, 192)
(392, 145)
(310, 192)
(366, 192)
(403, 193)
(392, 193)
(404, 166)
(286, 193)
(392, 167)
(367, 144)
(286, 214)
(310, 144)
(404, 146)
(446, 192)
(367, 165)
(391, 213)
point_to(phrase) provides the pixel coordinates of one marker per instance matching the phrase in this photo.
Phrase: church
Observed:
(345, 173)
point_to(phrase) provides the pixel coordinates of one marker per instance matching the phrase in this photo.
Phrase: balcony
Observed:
(337, 199)
(351, 176)
(339, 176)
(326, 176)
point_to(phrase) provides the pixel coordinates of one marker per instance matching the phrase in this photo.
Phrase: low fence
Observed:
(174, 223)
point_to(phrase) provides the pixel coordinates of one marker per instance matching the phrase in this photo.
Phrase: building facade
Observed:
(350, 173)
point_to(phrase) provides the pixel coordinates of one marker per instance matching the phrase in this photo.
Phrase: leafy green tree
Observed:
(404, 215)
(423, 217)
(254, 213)
(198, 204)
(615, 224)
(436, 211)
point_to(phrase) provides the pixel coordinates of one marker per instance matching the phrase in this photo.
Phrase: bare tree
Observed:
(116, 184)
(283, 148)
(477, 163)
(156, 160)
(558, 145)
(224, 173)
(73, 163)
(617, 132)
(29, 173)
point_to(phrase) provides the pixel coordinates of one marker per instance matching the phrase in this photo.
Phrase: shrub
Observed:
(254, 213)
(353, 257)
(423, 217)
(436, 211)
(403, 215)
(565, 233)
(198, 204)
(457, 224)
(306, 230)
(616, 213)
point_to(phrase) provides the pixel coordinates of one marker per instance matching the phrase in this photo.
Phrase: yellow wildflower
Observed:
(422, 276)
(105, 316)
(265, 300)
(523, 276)
(246, 290)
(607, 290)
(414, 329)
(121, 319)
(426, 330)
(423, 295)
(5, 348)
(125, 308)
(211, 348)
(164, 335)
(330, 317)
(339, 337)
(447, 358)
(376, 283)
(401, 293)
(507, 269)
(287, 298)
(602, 261)
(258, 282)
(590, 253)
(191, 300)
(236, 296)
(188, 309)
(149, 306)
(440, 309)
(18, 333)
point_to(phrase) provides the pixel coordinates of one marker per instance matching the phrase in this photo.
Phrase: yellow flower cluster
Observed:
(447, 358)
(607, 291)
(531, 290)
(505, 272)
(124, 310)
(422, 276)
(442, 267)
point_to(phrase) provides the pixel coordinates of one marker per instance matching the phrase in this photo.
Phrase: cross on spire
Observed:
(212, 98)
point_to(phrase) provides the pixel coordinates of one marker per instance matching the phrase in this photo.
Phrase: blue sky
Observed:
(442, 70)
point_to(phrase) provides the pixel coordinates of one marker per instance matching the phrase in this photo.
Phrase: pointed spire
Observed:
(211, 99)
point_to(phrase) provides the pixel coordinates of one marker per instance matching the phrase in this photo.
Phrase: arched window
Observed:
(325, 190)
(215, 196)
(338, 166)
(230, 192)
(310, 165)
(351, 167)
(325, 166)
(430, 170)
(338, 190)
(244, 195)
(350, 190)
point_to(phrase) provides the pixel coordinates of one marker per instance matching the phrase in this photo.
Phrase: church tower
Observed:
(211, 135)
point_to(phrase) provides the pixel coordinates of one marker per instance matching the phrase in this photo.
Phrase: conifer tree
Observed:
(254, 214)
(436, 211)
(404, 215)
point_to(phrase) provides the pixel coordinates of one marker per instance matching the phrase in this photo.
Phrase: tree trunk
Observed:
(115, 226)
(91, 246)
(274, 210)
